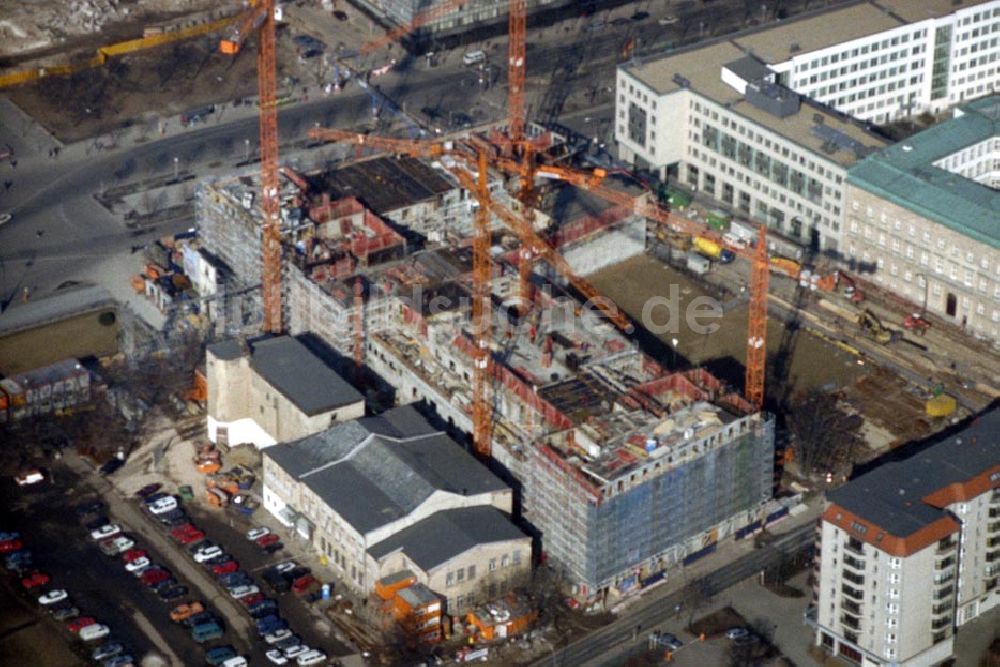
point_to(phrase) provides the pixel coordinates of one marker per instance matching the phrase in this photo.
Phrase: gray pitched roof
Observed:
(890, 495)
(446, 534)
(375, 470)
(301, 376)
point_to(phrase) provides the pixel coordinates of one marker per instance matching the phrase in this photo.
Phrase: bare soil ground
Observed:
(811, 361)
(886, 400)
(168, 80)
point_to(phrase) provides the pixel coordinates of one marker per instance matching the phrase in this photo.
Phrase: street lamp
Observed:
(673, 349)
(246, 150)
(176, 164)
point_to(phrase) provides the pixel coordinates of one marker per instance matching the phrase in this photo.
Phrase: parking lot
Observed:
(99, 585)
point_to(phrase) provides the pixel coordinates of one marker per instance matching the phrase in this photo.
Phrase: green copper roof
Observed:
(904, 174)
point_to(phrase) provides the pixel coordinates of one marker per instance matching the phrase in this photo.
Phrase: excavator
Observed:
(872, 325)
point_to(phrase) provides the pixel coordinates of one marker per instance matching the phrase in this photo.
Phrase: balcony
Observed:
(855, 547)
(944, 593)
(851, 607)
(992, 556)
(939, 637)
(993, 527)
(944, 577)
(850, 622)
(856, 579)
(946, 545)
(947, 562)
(942, 608)
(995, 497)
(941, 623)
(994, 511)
(853, 593)
(855, 563)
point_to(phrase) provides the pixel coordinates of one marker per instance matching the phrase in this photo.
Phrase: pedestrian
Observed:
(13, 164)
(7, 184)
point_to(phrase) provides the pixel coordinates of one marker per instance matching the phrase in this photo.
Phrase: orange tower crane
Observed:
(482, 269)
(260, 19)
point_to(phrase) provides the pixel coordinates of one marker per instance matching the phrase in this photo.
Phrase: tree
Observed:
(823, 436)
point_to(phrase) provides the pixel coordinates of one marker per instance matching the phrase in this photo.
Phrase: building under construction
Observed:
(625, 468)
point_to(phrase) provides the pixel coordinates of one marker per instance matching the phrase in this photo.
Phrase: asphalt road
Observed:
(601, 641)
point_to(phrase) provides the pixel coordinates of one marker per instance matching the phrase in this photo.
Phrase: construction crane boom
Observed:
(425, 149)
(516, 51)
(260, 17)
(482, 270)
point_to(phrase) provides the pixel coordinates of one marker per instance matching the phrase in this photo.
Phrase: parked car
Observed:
(163, 505)
(113, 546)
(133, 554)
(296, 650)
(313, 657)
(89, 507)
(219, 654)
(237, 661)
(275, 637)
(243, 591)
(137, 566)
(201, 546)
(274, 547)
(65, 613)
(18, 560)
(206, 553)
(123, 660)
(107, 650)
(288, 642)
(92, 633)
(253, 599)
(10, 546)
(206, 632)
(35, 579)
(110, 467)
(226, 567)
(737, 633)
(163, 585)
(257, 533)
(53, 596)
(287, 566)
(232, 579)
(264, 606)
(177, 517)
(173, 592)
(186, 610)
(192, 537)
(80, 623)
(270, 623)
(198, 619)
(276, 657)
(148, 490)
(107, 530)
(264, 540)
(154, 575)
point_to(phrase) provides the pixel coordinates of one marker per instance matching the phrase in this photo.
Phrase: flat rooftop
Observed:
(702, 67)
(384, 183)
(57, 306)
(905, 173)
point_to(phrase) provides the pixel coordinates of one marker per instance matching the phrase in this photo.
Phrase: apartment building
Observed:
(382, 494)
(921, 215)
(910, 552)
(716, 117)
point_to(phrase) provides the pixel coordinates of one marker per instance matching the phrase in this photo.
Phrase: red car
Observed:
(8, 546)
(133, 554)
(183, 529)
(264, 541)
(228, 566)
(191, 538)
(251, 600)
(35, 579)
(154, 576)
(80, 623)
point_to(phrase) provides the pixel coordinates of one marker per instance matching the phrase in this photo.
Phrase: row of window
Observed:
(862, 50)
(467, 574)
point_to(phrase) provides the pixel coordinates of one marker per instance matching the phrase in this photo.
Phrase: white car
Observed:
(238, 661)
(241, 592)
(313, 657)
(287, 566)
(277, 636)
(107, 530)
(122, 543)
(137, 566)
(202, 555)
(257, 533)
(5, 217)
(296, 651)
(53, 596)
(163, 505)
(94, 632)
(275, 657)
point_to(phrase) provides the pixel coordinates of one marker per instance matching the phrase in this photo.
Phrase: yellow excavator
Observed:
(872, 325)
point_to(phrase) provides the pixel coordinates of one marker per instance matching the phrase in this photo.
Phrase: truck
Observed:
(713, 249)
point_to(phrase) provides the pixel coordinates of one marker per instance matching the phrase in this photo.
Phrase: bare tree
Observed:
(824, 437)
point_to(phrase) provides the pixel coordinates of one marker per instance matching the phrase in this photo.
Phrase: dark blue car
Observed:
(270, 623)
(263, 608)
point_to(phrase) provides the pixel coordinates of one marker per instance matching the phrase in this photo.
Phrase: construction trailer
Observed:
(577, 406)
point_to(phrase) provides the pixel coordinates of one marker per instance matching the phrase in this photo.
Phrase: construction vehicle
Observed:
(851, 289)
(216, 497)
(208, 460)
(788, 267)
(713, 250)
(916, 323)
(872, 325)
